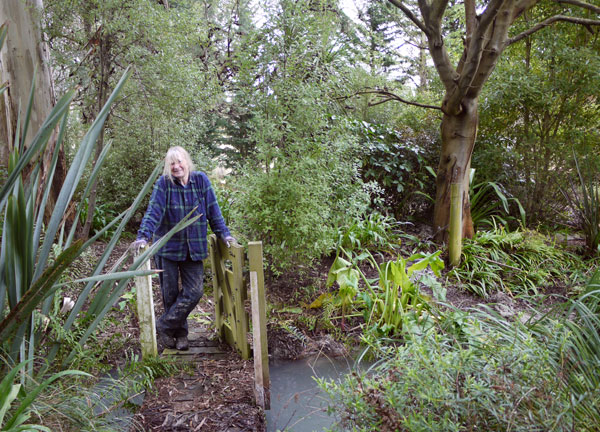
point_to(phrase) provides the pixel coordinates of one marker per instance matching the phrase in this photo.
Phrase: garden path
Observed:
(215, 393)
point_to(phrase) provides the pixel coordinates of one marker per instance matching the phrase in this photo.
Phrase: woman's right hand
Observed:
(138, 245)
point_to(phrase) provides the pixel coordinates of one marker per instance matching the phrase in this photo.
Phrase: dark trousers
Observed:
(178, 303)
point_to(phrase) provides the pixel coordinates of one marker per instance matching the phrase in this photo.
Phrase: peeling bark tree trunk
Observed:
(458, 139)
(24, 52)
(485, 38)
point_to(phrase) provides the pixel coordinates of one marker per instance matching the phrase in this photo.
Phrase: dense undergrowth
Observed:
(475, 370)
(444, 369)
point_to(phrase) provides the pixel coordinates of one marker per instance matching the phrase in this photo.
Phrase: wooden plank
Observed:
(145, 310)
(455, 231)
(239, 296)
(259, 389)
(194, 351)
(259, 322)
(217, 278)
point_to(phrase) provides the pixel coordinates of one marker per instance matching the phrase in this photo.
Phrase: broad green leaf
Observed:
(38, 291)
(37, 144)
(111, 277)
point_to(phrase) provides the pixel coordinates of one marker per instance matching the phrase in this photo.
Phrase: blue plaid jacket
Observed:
(169, 204)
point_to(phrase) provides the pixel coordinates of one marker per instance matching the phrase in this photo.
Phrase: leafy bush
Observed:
(103, 215)
(434, 384)
(295, 206)
(396, 161)
(516, 262)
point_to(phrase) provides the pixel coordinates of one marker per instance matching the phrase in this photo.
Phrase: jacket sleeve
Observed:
(155, 211)
(213, 212)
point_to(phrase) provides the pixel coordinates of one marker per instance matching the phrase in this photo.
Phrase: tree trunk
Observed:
(103, 90)
(23, 52)
(458, 138)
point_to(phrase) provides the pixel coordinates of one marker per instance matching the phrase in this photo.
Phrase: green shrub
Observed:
(397, 162)
(495, 380)
(103, 215)
(295, 207)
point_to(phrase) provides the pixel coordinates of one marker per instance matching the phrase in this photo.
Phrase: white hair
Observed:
(177, 154)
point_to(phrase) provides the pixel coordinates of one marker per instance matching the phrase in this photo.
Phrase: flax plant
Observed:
(584, 199)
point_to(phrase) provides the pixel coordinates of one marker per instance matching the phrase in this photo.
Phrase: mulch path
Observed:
(218, 396)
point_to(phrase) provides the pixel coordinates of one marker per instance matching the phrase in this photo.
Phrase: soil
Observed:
(223, 389)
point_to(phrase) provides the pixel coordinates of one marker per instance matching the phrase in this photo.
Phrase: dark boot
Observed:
(164, 339)
(181, 343)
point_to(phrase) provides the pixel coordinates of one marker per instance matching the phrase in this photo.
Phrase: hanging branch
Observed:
(388, 96)
(551, 20)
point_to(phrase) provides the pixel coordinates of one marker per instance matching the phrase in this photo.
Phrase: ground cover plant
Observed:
(475, 370)
(517, 262)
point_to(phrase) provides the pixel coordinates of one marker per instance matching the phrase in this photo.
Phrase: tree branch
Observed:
(521, 6)
(411, 16)
(435, 10)
(388, 96)
(549, 21)
(470, 19)
(431, 27)
(581, 4)
(492, 25)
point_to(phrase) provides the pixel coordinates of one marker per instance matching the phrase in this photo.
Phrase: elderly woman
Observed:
(176, 193)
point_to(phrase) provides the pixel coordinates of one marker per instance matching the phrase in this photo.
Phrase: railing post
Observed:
(236, 254)
(145, 310)
(217, 280)
(259, 325)
(455, 231)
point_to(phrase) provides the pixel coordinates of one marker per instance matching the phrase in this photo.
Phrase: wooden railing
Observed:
(231, 318)
(230, 293)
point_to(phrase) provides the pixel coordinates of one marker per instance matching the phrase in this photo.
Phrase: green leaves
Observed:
(584, 199)
(346, 276)
(9, 393)
(514, 262)
(395, 295)
(41, 289)
(490, 205)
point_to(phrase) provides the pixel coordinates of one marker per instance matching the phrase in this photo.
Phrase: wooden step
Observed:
(202, 350)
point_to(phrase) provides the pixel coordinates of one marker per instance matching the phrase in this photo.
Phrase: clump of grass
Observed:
(373, 231)
(520, 262)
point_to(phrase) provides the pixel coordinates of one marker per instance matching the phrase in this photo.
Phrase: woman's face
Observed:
(179, 169)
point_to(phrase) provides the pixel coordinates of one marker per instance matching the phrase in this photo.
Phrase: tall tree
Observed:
(24, 56)
(485, 33)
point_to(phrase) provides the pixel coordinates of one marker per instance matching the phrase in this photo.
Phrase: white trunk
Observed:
(23, 52)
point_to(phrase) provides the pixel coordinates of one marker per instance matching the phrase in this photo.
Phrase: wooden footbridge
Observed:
(234, 274)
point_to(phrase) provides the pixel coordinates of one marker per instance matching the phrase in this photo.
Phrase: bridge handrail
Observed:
(231, 318)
